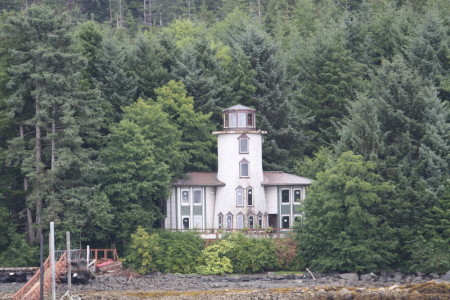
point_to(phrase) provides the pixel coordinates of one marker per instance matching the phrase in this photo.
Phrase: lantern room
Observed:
(239, 117)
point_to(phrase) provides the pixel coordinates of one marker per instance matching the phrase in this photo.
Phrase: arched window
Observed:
(249, 196)
(251, 220)
(244, 168)
(220, 220)
(240, 220)
(239, 196)
(260, 220)
(229, 220)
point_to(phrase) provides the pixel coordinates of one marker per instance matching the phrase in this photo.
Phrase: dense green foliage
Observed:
(103, 104)
(236, 253)
(169, 252)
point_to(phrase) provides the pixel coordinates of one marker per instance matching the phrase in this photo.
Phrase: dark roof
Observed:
(239, 107)
(199, 179)
(281, 178)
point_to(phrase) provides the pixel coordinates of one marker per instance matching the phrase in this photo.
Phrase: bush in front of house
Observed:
(244, 254)
(164, 251)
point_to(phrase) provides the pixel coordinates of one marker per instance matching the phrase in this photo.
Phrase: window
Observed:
(250, 221)
(197, 196)
(244, 168)
(220, 220)
(185, 197)
(250, 120)
(243, 145)
(285, 196)
(285, 222)
(239, 196)
(249, 197)
(297, 195)
(185, 222)
(225, 117)
(260, 221)
(233, 120)
(229, 221)
(198, 220)
(240, 221)
(242, 119)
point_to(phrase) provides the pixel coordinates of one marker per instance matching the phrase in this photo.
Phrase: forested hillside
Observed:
(104, 103)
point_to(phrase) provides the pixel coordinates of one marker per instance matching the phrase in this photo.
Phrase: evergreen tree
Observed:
(344, 228)
(117, 86)
(429, 51)
(136, 181)
(45, 75)
(195, 127)
(325, 81)
(406, 131)
(146, 61)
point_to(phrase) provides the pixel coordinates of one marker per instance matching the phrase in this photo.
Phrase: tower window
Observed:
(239, 196)
(243, 145)
(249, 197)
(244, 168)
(250, 120)
(242, 119)
(233, 120)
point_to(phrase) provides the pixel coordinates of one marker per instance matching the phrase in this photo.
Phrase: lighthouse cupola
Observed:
(239, 117)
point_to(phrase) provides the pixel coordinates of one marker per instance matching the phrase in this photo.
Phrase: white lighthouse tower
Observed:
(241, 202)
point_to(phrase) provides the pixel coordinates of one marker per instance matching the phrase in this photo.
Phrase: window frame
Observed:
(193, 197)
(241, 163)
(195, 218)
(220, 220)
(282, 221)
(241, 190)
(233, 117)
(188, 197)
(240, 221)
(251, 218)
(300, 195)
(189, 222)
(250, 196)
(245, 151)
(230, 217)
(289, 196)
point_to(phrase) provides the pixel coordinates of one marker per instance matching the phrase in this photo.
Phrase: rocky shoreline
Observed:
(387, 285)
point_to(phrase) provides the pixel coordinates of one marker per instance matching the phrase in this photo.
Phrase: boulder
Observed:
(349, 276)
(446, 277)
(369, 277)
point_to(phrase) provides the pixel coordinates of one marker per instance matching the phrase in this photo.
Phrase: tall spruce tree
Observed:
(344, 227)
(45, 79)
(325, 79)
(407, 132)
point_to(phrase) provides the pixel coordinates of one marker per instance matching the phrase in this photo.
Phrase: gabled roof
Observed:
(281, 178)
(199, 179)
(239, 107)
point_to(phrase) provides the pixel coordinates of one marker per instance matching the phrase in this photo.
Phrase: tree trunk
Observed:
(53, 155)
(38, 162)
(30, 229)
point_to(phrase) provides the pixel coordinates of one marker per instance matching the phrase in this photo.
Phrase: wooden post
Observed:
(69, 262)
(87, 256)
(52, 258)
(41, 274)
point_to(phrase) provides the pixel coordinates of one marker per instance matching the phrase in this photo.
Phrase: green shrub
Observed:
(19, 253)
(168, 252)
(214, 260)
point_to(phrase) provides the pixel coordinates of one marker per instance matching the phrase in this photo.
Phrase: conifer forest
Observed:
(104, 103)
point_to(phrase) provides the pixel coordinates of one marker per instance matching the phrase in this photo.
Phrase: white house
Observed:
(240, 195)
